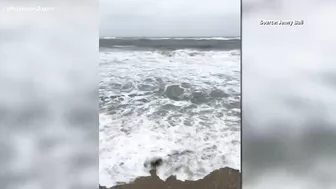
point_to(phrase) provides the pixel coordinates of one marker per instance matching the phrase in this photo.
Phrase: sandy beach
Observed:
(224, 178)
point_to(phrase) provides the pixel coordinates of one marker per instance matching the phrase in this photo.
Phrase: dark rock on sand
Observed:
(224, 178)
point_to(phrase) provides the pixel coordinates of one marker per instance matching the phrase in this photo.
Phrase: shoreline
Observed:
(223, 178)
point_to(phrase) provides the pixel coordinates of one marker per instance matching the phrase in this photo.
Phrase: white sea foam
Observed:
(108, 37)
(193, 139)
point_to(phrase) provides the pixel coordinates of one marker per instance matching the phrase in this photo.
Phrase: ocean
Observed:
(177, 99)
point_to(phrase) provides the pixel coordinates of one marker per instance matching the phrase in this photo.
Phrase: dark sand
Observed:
(224, 178)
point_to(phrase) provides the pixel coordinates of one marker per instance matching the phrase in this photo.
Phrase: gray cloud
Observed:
(169, 18)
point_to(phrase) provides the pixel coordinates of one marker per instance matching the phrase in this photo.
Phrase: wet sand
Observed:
(224, 178)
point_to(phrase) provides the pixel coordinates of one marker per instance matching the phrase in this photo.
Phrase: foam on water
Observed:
(182, 106)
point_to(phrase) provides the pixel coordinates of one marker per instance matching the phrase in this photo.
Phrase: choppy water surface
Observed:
(182, 105)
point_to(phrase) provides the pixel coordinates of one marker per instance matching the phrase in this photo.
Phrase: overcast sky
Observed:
(159, 18)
